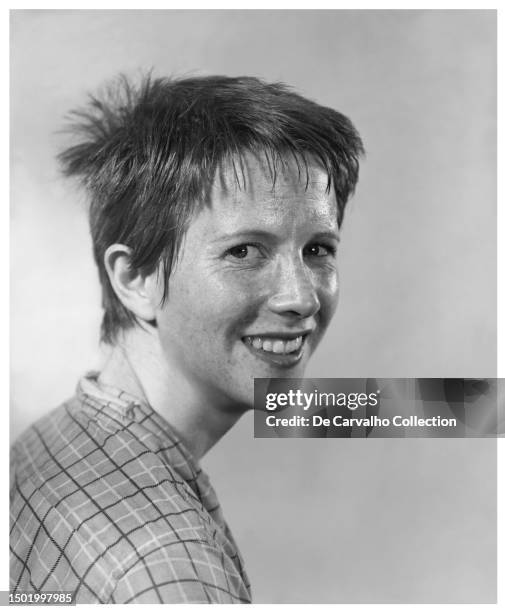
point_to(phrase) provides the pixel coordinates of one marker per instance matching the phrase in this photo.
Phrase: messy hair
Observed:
(147, 156)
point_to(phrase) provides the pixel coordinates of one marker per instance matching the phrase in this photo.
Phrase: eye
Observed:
(239, 252)
(319, 250)
(245, 252)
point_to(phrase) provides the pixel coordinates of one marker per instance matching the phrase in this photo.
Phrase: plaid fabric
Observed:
(106, 502)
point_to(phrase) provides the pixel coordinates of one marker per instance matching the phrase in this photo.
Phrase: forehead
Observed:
(254, 190)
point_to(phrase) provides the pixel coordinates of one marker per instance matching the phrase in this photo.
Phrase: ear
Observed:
(135, 291)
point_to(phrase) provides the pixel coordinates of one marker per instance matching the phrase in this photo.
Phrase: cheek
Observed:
(232, 308)
(328, 297)
(210, 310)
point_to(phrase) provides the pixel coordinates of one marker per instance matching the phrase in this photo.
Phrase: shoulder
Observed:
(91, 501)
(79, 452)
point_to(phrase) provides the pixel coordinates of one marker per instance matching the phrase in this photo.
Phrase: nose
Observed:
(294, 291)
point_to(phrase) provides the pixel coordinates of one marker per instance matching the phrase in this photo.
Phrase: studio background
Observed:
(321, 521)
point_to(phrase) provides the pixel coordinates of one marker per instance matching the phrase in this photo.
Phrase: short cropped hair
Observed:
(147, 156)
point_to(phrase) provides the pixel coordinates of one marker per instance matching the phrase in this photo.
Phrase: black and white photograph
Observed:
(202, 199)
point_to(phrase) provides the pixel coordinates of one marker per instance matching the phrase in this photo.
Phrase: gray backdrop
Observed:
(317, 520)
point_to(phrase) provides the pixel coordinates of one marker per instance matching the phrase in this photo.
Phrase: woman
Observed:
(215, 208)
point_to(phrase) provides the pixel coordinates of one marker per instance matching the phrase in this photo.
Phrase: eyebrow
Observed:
(327, 235)
(257, 233)
(253, 233)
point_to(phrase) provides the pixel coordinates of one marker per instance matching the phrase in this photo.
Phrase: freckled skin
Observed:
(252, 262)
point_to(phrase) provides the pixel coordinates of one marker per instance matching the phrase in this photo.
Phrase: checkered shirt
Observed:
(106, 502)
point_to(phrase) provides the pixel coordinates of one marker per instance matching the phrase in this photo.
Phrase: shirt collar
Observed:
(110, 402)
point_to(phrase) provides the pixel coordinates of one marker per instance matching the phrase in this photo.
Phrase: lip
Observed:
(283, 360)
(282, 335)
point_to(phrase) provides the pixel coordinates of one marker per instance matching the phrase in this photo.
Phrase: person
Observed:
(215, 205)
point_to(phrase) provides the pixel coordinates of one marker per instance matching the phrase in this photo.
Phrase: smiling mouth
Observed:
(275, 345)
(279, 351)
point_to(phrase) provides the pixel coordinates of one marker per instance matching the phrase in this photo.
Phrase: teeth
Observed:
(293, 345)
(279, 346)
(275, 345)
(267, 345)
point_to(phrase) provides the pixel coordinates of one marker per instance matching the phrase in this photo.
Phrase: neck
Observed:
(137, 365)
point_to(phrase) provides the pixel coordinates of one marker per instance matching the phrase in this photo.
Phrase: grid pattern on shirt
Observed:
(106, 502)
